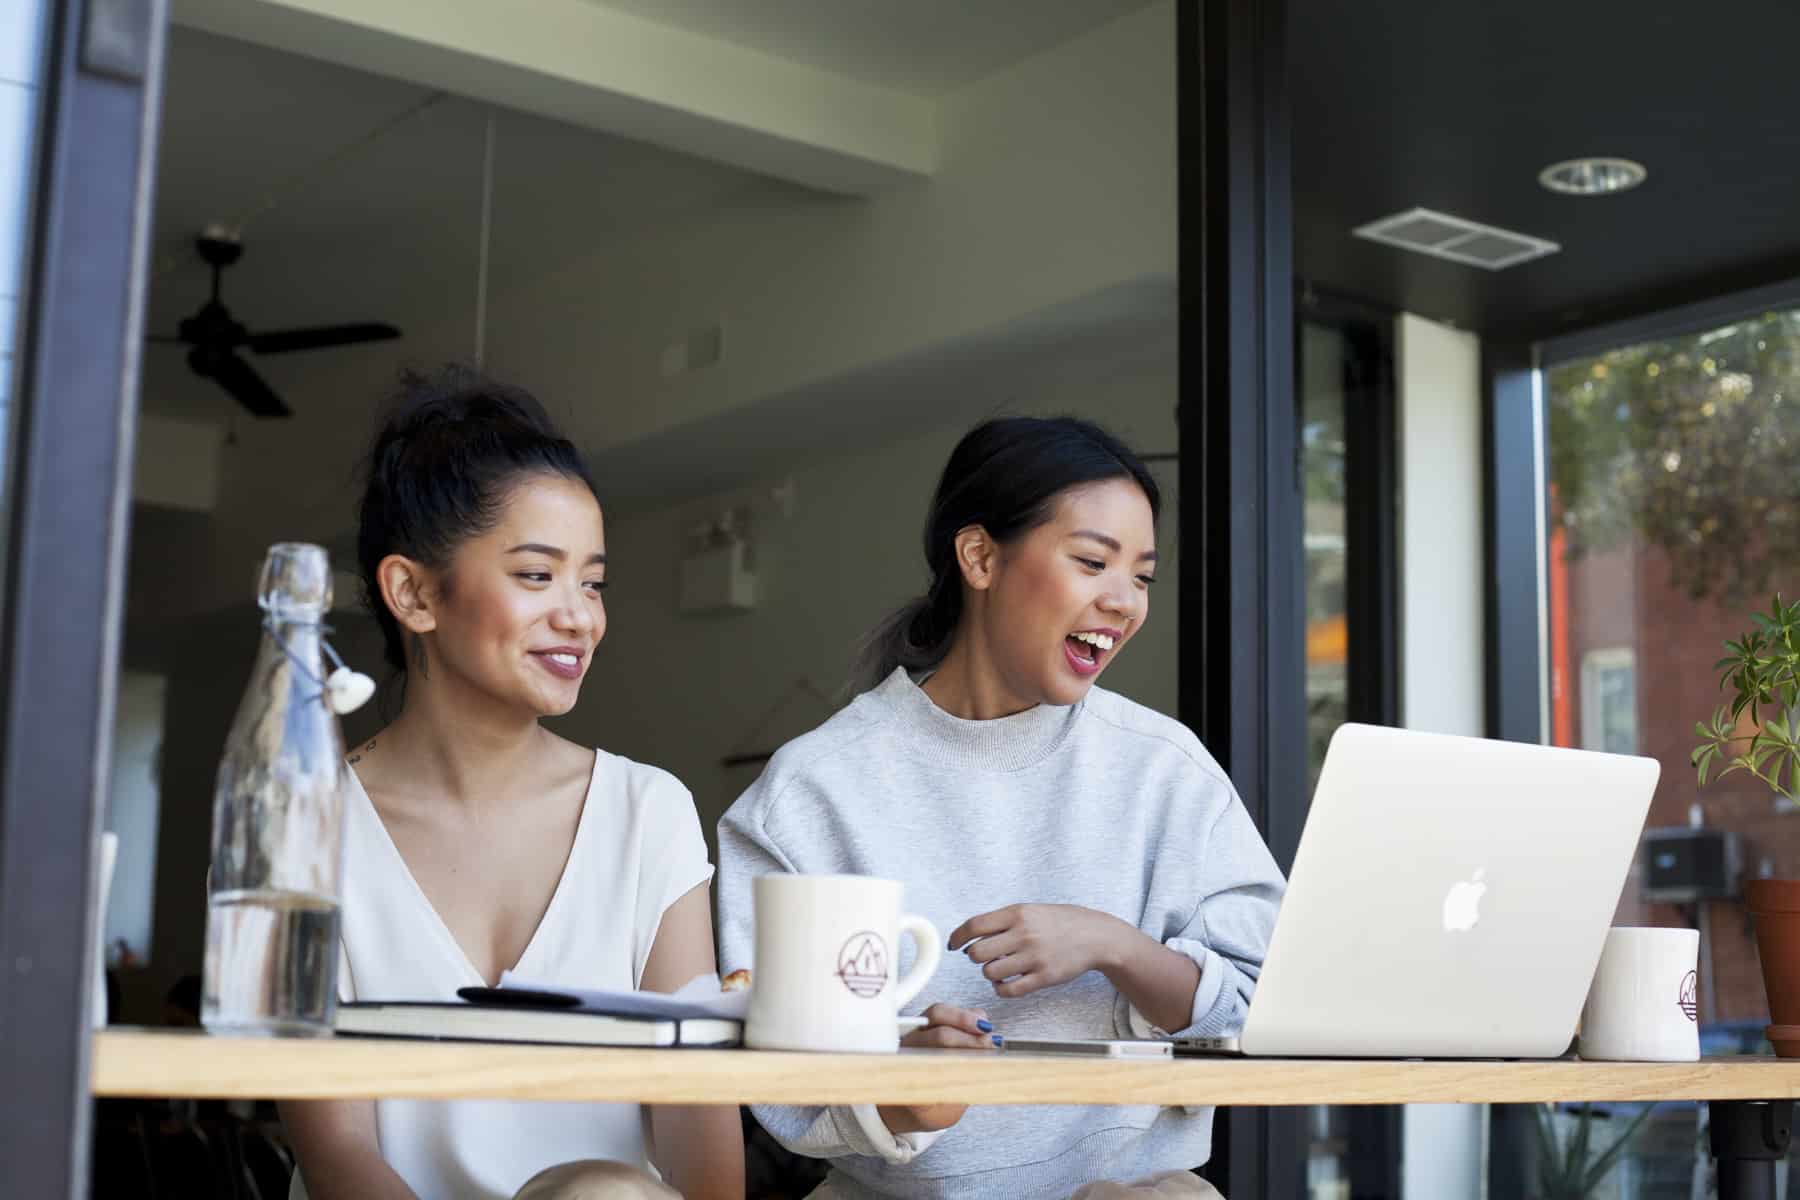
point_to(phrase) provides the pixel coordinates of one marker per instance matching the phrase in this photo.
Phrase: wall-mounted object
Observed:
(1682, 864)
(716, 578)
(696, 350)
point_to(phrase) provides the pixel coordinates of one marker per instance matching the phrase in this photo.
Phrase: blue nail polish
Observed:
(985, 1026)
(998, 1040)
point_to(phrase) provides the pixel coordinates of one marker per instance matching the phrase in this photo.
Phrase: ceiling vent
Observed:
(1461, 241)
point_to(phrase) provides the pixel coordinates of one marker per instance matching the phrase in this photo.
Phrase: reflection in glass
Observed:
(1325, 353)
(1325, 360)
(1674, 512)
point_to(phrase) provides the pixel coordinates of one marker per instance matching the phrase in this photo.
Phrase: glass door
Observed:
(1345, 397)
(1673, 516)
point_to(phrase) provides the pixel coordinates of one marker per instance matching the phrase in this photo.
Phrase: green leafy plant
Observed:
(1762, 671)
(1688, 446)
(1566, 1171)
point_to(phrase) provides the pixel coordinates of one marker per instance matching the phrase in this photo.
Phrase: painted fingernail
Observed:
(998, 1040)
(985, 1026)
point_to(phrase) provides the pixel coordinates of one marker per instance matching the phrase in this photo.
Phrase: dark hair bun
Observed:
(449, 448)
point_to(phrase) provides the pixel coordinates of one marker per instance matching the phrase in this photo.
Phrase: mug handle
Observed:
(929, 948)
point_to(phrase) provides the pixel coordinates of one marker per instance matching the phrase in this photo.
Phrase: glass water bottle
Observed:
(272, 902)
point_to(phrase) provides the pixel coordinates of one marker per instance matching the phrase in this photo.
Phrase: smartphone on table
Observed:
(1090, 1047)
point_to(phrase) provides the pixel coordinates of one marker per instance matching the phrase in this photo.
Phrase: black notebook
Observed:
(504, 1015)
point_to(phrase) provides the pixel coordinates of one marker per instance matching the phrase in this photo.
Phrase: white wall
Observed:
(134, 809)
(177, 464)
(683, 692)
(1441, 607)
(1441, 631)
(1443, 1156)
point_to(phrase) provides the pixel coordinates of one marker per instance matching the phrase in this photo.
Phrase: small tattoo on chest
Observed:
(358, 756)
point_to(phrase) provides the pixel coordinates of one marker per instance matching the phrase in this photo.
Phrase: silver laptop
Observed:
(1449, 898)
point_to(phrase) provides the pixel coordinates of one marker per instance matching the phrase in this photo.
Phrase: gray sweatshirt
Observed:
(1104, 804)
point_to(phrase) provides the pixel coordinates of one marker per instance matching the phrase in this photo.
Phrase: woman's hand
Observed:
(948, 1028)
(1024, 948)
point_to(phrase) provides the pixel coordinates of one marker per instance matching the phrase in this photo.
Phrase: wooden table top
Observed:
(134, 1062)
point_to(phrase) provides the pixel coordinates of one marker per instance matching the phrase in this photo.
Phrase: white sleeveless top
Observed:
(637, 850)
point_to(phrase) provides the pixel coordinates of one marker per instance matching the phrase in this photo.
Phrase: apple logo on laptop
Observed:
(1462, 903)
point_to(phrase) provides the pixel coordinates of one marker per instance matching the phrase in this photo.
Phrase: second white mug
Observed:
(827, 956)
(1644, 1003)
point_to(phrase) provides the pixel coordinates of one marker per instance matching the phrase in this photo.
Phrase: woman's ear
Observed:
(404, 591)
(976, 555)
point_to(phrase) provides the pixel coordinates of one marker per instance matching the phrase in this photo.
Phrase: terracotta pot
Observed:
(1775, 903)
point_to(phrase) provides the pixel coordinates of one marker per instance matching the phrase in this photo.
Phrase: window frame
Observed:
(1593, 663)
(75, 424)
(1695, 316)
(1241, 660)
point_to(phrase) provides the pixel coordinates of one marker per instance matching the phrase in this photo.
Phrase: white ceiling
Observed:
(354, 211)
(339, 225)
(925, 47)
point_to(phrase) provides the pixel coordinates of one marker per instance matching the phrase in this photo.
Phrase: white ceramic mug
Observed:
(827, 951)
(1644, 1004)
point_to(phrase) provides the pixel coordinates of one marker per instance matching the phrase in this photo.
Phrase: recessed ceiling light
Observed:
(1592, 176)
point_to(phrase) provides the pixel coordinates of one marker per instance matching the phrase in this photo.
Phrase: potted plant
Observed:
(1762, 670)
(1569, 1171)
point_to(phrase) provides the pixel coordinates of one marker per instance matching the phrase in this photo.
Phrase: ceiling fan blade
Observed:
(320, 337)
(245, 385)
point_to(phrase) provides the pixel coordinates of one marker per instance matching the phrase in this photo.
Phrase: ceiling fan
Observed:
(215, 336)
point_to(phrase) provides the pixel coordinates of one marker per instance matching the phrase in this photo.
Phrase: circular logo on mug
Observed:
(863, 964)
(1689, 999)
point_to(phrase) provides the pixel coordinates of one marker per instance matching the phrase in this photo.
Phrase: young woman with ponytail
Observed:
(1099, 874)
(477, 841)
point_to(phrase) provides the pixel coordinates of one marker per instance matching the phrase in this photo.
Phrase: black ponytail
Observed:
(449, 449)
(1004, 476)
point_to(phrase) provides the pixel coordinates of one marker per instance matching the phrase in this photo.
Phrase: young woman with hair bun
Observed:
(477, 841)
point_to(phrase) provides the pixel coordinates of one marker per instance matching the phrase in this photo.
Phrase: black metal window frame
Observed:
(76, 405)
(1242, 682)
(1697, 316)
(1515, 493)
(1371, 497)
(1241, 663)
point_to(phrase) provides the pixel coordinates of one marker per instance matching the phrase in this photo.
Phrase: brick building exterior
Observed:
(1603, 606)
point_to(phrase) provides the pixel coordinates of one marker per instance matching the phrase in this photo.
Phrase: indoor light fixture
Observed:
(1592, 176)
